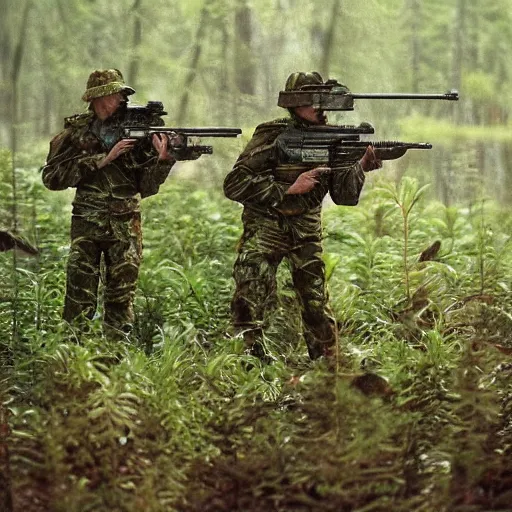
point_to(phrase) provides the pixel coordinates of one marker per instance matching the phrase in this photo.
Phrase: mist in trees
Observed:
(223, 62)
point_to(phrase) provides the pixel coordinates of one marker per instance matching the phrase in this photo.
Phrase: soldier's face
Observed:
(105, 106)
(311, 114)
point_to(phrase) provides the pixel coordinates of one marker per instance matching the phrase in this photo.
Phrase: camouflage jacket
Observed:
(259, 184)
(113, 191)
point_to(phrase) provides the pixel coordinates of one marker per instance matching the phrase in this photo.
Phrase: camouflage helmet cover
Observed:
(103, 82)
(299, 79)
(309, 89)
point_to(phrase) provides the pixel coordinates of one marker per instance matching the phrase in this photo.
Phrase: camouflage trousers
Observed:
(122, 260)
(264, 244)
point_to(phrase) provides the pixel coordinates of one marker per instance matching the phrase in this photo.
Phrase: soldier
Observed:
(284, 220)
(110, 176)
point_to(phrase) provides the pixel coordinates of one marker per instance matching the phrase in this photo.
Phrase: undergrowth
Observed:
(178, 418)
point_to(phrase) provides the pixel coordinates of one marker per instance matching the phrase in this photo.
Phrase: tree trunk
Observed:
(415, 45)
(16, 69)
(5, 41)
(225, 96)
(46, 121)
(245, 71)
(192, 72)
(456, 112)
(15, 74)
(458, 55)
(133, 70)
(329, 39)
(5, 72)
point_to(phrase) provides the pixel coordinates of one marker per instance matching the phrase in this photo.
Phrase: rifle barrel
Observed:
(208, 131)
(338, 129)
(384, 144)
(450, 96)
(193, 132)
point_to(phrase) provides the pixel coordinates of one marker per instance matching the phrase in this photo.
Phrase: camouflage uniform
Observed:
(278, 226)
(106, 208)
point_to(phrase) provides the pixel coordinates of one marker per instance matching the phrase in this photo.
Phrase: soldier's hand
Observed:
(161, 142)
(176, 140)
(307, 180)
(369, 161)
(121, 147)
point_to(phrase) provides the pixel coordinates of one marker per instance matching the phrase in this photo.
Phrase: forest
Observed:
(419, 273)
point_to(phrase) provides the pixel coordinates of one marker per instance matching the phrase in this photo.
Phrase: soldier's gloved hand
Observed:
(161, 143)
(121, 147)
(307, 180)
(369, 161)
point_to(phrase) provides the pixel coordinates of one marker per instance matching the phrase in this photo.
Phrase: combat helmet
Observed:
(296, 81)
(103, 82)
(309, 89)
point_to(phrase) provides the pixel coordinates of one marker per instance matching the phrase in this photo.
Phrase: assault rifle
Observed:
(332, 95)
(141, 122)
(184, 150)
(326, 145)
(331, 146)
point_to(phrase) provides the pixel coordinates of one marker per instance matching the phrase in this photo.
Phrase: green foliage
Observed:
(178, 418)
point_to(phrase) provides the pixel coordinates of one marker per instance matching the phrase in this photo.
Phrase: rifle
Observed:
(184, 150)
(332, 146)
(141, 122)
(332, 95)
(325, 145)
